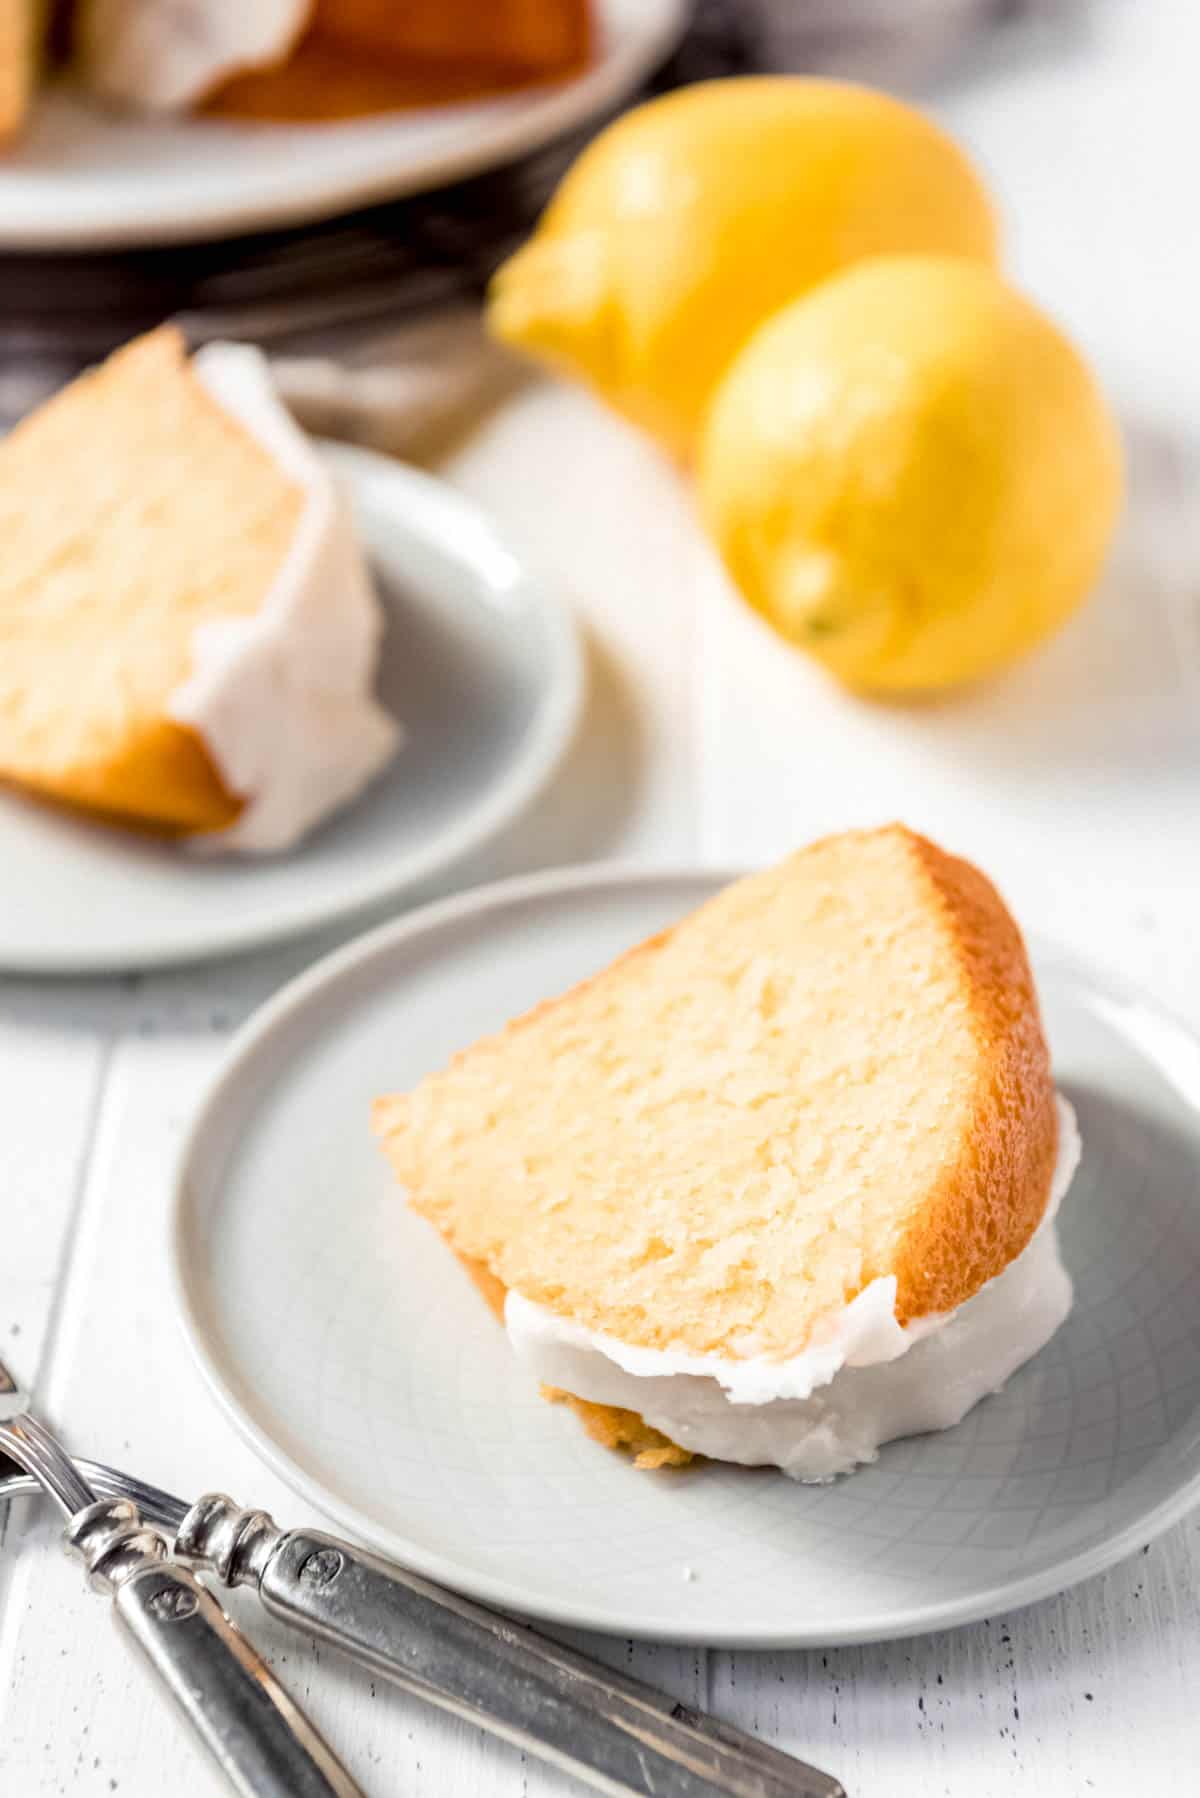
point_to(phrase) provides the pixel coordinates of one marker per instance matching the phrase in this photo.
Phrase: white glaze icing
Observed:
(866, 1380)
(283, 699)
(163, 58)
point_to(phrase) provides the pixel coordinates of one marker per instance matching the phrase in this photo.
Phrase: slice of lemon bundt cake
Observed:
(188, 636)
(767, 1169)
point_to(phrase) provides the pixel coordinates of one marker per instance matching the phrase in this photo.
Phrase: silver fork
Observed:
(614, 1733)
(263, 1742)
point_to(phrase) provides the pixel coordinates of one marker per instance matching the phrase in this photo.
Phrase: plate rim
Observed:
(552, 731)
(641, 47)
(897, 1623)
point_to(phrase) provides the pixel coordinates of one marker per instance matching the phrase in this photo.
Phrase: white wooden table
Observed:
(1076, 782)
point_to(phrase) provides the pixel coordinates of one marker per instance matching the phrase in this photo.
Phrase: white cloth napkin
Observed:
(408, 391)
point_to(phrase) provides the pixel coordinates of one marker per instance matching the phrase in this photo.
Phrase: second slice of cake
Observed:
(779, 1184)
(188, 632)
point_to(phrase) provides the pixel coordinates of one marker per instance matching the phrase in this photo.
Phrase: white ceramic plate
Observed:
(484, 668)
(353, 1352)
(82, 178)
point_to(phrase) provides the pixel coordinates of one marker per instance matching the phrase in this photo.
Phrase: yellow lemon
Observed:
(691, 219)
(911, 473)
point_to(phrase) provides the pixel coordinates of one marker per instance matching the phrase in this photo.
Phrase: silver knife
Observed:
(614, 1733)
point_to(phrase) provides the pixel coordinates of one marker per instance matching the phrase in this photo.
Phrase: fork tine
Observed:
(156, 1506)
(27, 1443)
(26, 1440)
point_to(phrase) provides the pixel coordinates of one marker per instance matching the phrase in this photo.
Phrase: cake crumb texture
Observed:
(832, 1072)
(133, 510)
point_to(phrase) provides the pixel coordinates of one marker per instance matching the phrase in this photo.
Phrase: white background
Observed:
(1076, 782)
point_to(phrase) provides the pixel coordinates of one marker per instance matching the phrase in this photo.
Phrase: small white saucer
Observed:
(354, 1353)
(484, 668)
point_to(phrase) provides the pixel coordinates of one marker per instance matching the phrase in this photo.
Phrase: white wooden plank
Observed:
(1087, 136)
(52, 1063)
(609, 523)
(1090, 1692)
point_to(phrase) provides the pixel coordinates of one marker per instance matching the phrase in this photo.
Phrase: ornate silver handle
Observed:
(264, 1744)
(613, 1732)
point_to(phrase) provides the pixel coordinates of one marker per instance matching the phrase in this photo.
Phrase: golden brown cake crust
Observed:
(993, 1201)
(372, 56)
(945, 1186)
(164, 762)
(613, 1428)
